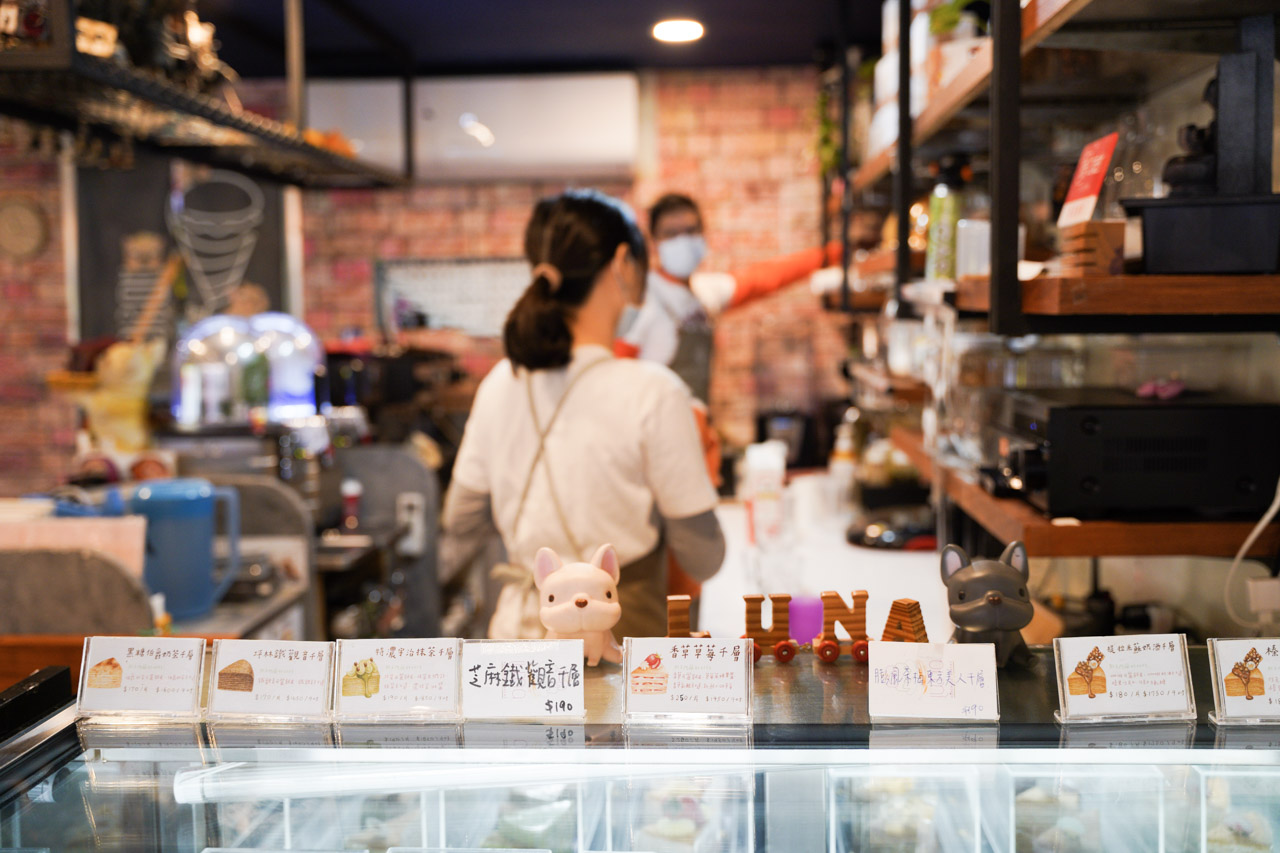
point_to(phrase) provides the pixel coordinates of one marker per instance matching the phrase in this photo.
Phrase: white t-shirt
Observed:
(624, 444)
(668, 307)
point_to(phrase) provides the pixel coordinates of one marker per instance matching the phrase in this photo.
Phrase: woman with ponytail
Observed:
(570, 448)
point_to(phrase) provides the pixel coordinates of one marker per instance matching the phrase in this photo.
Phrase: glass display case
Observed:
(810, 774)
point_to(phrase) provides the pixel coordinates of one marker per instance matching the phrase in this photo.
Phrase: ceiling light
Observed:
(677, 30)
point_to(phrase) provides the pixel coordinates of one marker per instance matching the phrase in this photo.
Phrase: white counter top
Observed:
(820, 559)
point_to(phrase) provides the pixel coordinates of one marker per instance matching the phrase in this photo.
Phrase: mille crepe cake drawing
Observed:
(236, 676)
(362, 679)
(105, 674)
(1245, 678)
(1088, 677)
(650, 678)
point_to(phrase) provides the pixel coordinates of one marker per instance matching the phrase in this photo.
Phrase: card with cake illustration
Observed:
(682, 679)
(1246, 680)
(1088, 678)
(270, 679)
(397, 679)
(1123, 678)
(141, 676)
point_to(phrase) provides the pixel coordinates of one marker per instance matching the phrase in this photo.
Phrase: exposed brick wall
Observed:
(38, 429)
(778, 352)
(742, 142)
(347, 231)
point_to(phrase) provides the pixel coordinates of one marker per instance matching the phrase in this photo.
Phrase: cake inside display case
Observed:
(906, 810)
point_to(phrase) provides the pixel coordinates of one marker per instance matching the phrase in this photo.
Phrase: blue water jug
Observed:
(180, 525)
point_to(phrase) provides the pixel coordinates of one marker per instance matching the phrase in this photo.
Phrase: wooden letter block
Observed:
(678, 617)
(905, 623)
(779, 629)
(836, 612)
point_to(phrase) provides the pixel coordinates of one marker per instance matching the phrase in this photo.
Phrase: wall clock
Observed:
(24, 231)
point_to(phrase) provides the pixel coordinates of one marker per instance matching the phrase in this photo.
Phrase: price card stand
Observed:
(687, 682)
(523, 680)
(270, 682)
(397, 680)
(1246, 682)
(126, 681)
(1123, 679)
(917, 684)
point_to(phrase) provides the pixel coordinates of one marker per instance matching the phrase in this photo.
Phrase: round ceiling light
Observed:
(677, 30)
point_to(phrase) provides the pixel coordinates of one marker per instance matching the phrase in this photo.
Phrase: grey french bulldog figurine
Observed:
(989, 601)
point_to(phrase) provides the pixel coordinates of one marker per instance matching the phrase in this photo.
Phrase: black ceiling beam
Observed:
(359, 19)
(242, 26)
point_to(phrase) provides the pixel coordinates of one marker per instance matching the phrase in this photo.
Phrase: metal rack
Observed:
(60, 87)
(1013, 307)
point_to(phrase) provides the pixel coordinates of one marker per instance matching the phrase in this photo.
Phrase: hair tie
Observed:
(550, 273)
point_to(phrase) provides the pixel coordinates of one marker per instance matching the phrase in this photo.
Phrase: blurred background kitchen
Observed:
(268, 248)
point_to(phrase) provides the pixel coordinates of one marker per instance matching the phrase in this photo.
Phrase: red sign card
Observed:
(1082, 197)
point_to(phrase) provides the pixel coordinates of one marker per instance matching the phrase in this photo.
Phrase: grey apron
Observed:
(692, 361)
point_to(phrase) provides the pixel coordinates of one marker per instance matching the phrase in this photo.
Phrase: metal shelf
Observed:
(130, 104)
(1039, 19)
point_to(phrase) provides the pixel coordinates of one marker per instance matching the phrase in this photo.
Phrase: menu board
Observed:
(140, 676)
(1123, 678)
(396, 678)
(932, 681)
(688, 677)
(1246, 680)
(522, 680)
(261, 678)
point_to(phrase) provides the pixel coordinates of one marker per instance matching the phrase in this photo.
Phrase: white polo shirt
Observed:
(624, 445)
(668, 307)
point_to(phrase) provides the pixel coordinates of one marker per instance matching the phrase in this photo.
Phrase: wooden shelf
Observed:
(1008, 519)
(1134, 294)
(911, 442)
(905, 388)
(885, 261)
(1040, 18)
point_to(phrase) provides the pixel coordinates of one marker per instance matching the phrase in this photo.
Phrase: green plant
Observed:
(946, 17)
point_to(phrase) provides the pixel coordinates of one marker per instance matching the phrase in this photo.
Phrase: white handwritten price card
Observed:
(378, 679)
(679, 678)
(270, 679)
(1246, 681)
(932, 681)
(522, 680)
(140, 676)
(1132, 677)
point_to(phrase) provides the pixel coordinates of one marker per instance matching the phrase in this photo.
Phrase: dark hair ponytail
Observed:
(569, 240)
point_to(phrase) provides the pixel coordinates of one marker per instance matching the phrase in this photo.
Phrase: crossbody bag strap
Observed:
(540, 453)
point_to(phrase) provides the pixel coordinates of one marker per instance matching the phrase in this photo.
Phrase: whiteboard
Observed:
(474, 296)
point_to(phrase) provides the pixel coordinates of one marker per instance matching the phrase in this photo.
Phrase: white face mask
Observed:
(626, 320)
(681, 255)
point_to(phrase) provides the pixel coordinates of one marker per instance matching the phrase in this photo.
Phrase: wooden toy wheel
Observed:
(828, 651)
(784, 651)
(755, 652)
(861, 651)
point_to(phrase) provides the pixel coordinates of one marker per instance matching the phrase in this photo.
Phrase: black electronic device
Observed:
(1092, 452)
(1220, 215)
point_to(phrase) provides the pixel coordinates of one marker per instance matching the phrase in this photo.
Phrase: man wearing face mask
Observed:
(672, 326)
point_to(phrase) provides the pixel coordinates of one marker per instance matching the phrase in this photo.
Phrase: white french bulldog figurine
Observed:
(580, 601)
